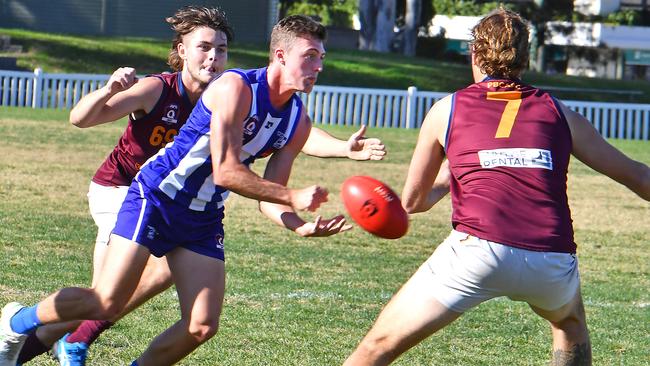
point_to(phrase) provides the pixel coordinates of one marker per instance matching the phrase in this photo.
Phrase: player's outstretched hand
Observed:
(122, 79)
(308, 199)
(362, 148)
(322, 227)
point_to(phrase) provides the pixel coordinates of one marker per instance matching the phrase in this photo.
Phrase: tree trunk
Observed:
(368, 20)
(385, 24)
(377, 18)
(412, 21)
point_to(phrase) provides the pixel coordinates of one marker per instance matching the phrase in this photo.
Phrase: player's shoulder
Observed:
(228, 82)
(445, 102)
(227, 88)
(149, 86)
(442, 107)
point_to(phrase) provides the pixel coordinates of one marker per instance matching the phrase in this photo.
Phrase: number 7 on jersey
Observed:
(509, 113)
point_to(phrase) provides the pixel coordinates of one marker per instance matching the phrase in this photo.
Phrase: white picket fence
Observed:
(329, 105)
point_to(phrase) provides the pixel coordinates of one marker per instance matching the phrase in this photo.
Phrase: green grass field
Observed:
(293, 301)
(84, 54)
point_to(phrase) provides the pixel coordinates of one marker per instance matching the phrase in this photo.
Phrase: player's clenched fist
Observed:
(122, 79)
(309, 198)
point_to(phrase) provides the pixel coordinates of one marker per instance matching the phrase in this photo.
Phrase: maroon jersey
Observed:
(145, 136)
(508, 146)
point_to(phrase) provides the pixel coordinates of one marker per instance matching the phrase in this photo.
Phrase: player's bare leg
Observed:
(571, 345)
(409, 317)
(155, 279)
(201, 299)
(51, 333)
(99, 254)
(126, 261)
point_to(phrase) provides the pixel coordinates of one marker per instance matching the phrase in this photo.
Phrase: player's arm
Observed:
(440, 183)
(592, 149)
(278, 170)
(229, 99)
(123, 94)
(323, 145)
(422, 190)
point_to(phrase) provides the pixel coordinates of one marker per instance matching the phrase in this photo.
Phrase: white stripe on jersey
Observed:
(144, 206)
(254, 101)
(204, 195)
(265, 133)
(195, 158)
(267, 129)
(292, 119)
(159, 153)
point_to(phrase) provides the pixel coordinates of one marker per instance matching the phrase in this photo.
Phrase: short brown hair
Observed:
(186, 20)
(500, 44)
(293, 26)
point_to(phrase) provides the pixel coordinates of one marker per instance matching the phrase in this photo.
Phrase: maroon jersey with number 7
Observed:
(508, 146)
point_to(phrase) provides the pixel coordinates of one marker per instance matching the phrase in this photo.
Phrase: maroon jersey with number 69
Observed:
(145, 136)
(508, 146)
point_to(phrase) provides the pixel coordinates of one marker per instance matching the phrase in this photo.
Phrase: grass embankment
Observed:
(77, 54)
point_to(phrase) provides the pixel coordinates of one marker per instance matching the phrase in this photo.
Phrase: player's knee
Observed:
(109, 308)
(158, 276)
(204, 329)
(571, 324)
(378, 348)
(160, 281)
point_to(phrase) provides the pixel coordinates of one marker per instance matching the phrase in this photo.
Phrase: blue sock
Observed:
(25, 321)
(135, 363)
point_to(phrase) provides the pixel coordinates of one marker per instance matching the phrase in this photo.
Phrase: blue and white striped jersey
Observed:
(183, 169)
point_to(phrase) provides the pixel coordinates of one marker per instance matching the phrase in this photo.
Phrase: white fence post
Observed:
(326, 104)
(38, 88)
(411, 102)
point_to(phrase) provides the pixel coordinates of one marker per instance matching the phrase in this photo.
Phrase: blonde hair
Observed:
(288, 29)
(500, 44)
(186, 20)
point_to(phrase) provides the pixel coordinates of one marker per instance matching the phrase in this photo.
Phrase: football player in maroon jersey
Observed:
(157, 106)
(508, 146)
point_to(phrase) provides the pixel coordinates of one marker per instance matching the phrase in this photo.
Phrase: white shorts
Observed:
(104, 203)
(467, 271)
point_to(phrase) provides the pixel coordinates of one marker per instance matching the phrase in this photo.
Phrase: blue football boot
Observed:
(70, 354)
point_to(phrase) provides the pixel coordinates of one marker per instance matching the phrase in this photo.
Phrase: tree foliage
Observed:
(330, 12)
(466, 7)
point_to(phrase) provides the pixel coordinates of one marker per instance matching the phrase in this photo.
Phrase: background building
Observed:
(581, 49)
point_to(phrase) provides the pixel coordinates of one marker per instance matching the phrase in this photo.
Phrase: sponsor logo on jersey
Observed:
(270, 121)
(219, 239)
(280, 139)
(507, 84)
(171, 114)
(151, 232)
(516, 158)
(250, 125)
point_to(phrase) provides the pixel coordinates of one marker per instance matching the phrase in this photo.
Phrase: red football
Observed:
(375, 207)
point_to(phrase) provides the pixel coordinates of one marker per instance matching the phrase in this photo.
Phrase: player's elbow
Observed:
(411, 201)
(221, 179)
(78, 121)
(641, 183)
(225, 176)
(410, 206)
(75, 121)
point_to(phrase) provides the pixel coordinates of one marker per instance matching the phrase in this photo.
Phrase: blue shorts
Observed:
(153, 220)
